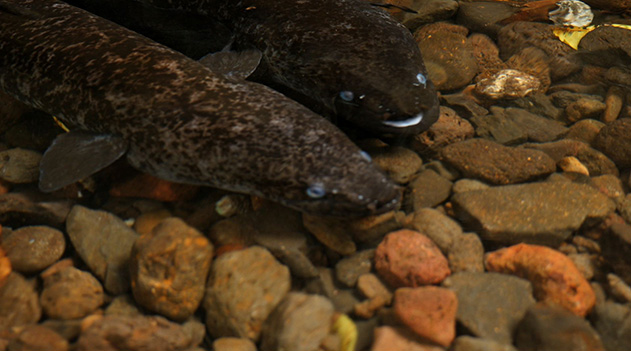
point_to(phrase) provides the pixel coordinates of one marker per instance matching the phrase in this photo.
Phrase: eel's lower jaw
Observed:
(406, 122)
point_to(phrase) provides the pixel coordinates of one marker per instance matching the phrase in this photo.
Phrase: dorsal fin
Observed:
(233, 64)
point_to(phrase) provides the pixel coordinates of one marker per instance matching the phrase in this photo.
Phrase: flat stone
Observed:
(540, 213)
(466, 184)
(70, 294)
(19, 302)
(104, 242)
(497, 164)
(498, 128)
(406, 258)
(584, 130)
(288, 329)
(490, 305)
(427, 189)
(169, 268)
(38, 338)
(546, 328)
(430, 312)
(613, 140)
(466, 254)
(443, 230)
(243, 288)
(19, 166)
(554, 277)
(349, 269)
(31, 249)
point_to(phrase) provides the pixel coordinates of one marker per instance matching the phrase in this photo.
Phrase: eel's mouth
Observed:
(406, 122)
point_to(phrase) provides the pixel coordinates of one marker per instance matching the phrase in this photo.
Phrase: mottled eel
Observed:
(174, 118)
(349, 56)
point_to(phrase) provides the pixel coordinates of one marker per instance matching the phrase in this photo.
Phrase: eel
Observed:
(349, 58)
(123, 94)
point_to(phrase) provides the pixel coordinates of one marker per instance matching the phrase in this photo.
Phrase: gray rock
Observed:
(243, 288)
(31, 249)
(555, 329)
(497, 127)
(537, 213)
(539, 129)
(288, 329)
(469, 343)
(466, 254)
(539, 104)
(428, 189)
(348, 270)
(490, 305)
(19, 166)
(464, 105)
(437, 226)
(612, 321)
(19, 303)
(497, 164)
(104, 242)
(70, 294)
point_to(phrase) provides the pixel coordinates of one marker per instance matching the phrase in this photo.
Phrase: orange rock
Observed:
(554, 277)
(149, 187)
(5, 264)
(228, 248)
(4, 188)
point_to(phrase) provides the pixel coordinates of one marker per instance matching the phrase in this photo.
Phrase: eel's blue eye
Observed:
(316, 191)
(421, 79)
(347, 95)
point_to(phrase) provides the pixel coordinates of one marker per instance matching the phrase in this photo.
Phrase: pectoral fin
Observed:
(76, 155)
(232, 64)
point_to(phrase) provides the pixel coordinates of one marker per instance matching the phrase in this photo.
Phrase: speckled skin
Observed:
(319, 48)
(183, 123)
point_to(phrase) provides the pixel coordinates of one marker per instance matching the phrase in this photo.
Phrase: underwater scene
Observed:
(315, 175)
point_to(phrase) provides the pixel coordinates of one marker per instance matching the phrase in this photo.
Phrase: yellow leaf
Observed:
(347, 331)
(572, 35)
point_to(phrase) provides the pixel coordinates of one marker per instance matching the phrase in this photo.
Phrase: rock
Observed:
(614, 102)
(408, 258)
(554, 277)
(469, 343)
(448, 129)
(619, 289)
(243, 288)
(19, 303)
(497, 164)
(288, 329)
(546, 328)
(426, 12)
(104, 242)
(441, 229)
(349, 269)
(430, 312)
(31, 249)
(169, 268)
(466, 254)
(540, 213)
(572, 165)
(113, 333)
(371, 287)
(613, 140)
(70, 294)
(464, 105)
(123, 305)
(514, 126)
(38, 338)
(145, 223)
(149, 187)
(584, 109)
(19, 166)
(466, 184)
(584, 130)
(616, 247)
(5, 265)
(427, 189)
(399, 163)
(398, 339)
(508, 84)
(20, 209)
(609, 185)
(326, 230)
(612, 321)
(596, 162)
(490, 305)
(233, 344)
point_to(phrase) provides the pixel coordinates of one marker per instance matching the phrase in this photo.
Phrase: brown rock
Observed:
(145, 223)
(448, 129)
(409, 258)
(70, 294)
(399, 163)
(169, 269)
(19, 303)
(495, 163)
(330, 234)
(613, 140)
(584, 130)
(596, 162)
(398, 339)
(38, 338)
(614, 101)
(150, 187)
(32, 249)
(583, 109)
(19, 165)
(554, 276)
(427, 189)
(428, 311)
(233, 344)
(466, 254)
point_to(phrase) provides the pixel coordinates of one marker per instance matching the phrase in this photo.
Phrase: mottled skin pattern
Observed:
(183, 123)
(319, 48)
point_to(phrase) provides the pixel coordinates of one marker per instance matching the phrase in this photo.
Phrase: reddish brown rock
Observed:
(19, 303)
(430, 312)
(149, 187)
(448, 129)
(70, 294)
(409, 258)
(398, 339)
(554, 276)
(169, 267)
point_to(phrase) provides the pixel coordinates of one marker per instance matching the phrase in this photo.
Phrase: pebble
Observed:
(595, 161)
(609, 185)
(619, 289)
(19, 166)
(585, 264)
(497, 164)
(490, 305)
(469, 343)
(448, 129)
(616, 247)
(406, 258)
(613, 140)
(169, 267)
(349, 269)
(427, 189)
(243, 288)
(508, 84)
(145, 223)
(104, 242)
(614, 102)
(331, 235)
(546, 328)
(38, 338)
(123, 305)
(70, 293)
(466, 254)
(584, 130)
(572, 164)
(288, 329)
(545, 213)
(466, 184)
(554, 277)
(584, 109)
(371, 287)
(389, 338)
(233, 344)
(31, 249)
(612, 321)
(138, 333)
(19, 302)
(430, 312)
(399, 163)
(440, 228)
